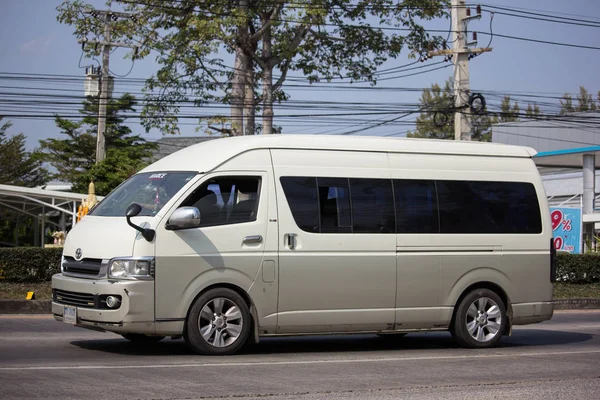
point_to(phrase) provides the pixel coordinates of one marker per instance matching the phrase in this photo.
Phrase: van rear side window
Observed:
(488, 207)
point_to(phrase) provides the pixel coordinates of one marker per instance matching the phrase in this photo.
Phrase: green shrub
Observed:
(578, 268)
(34, 264)
(29, 264)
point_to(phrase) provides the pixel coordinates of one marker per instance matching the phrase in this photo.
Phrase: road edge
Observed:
(45, 306)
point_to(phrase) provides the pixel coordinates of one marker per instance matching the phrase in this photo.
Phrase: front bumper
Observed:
(136, 311)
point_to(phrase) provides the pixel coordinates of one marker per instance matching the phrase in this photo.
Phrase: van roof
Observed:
(205, 156)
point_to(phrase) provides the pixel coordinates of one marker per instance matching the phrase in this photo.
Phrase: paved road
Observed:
(44, 359)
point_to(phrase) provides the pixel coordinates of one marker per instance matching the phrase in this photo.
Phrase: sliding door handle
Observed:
(290, 240)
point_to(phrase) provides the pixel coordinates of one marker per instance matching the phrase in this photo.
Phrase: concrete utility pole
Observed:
(104, 94)
(460, 56)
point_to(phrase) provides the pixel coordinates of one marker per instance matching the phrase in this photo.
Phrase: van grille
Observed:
(87, 266)
(73, 298)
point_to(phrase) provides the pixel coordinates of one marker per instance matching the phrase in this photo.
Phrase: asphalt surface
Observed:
(44, 359)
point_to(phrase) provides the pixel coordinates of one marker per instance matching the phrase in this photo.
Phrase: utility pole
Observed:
(461, 53)
(104, 94)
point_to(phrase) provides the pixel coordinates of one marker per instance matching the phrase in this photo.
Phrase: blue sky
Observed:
(32, 41)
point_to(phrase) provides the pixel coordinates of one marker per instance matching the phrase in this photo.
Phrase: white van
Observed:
(237, 238)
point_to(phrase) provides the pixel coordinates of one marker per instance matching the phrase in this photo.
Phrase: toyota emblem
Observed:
(78, 254)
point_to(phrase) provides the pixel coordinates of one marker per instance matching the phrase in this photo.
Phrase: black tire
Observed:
(474, 328)
(141, 338)
(218, 336)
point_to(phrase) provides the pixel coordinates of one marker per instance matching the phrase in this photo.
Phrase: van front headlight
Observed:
(131, 268)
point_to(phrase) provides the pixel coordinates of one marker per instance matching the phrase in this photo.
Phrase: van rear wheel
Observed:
(218, 323)
(480, 319)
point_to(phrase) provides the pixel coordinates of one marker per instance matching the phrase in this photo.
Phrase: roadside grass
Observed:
(575, 291)
(18, 291)
(43, 290)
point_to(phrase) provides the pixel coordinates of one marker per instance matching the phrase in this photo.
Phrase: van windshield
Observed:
(150, 190)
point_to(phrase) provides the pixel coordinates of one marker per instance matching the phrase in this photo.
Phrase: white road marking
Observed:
(306, 362)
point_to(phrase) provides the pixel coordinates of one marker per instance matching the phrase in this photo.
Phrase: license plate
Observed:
(70, 315)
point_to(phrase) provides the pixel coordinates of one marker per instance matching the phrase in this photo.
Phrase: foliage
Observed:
(324, 39)
(74, 157)
(18, 290)
(18, 166)
(508, 112)
(576, 291)
(29, 264)
(32, 263)
(584, 100)
(21, 168)
(578, 268)
(441, 100)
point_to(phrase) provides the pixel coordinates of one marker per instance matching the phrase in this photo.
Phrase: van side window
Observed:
(416, 206)
(226, 200)
(301, 195)
(372, 206)
(334, 205)
(488, 207)
(340, 205)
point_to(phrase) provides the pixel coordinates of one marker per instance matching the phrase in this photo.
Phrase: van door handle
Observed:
(290, 240)
(252, 239)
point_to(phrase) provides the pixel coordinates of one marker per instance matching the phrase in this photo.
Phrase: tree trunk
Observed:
(238, 83)
(237, 93)
(249, 109)
(267, 54)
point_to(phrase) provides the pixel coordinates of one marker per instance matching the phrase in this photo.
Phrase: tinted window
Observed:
(488, 207)
(416, 206)
(301, 195)
(226, 200)
(372, 205)
(334, 205)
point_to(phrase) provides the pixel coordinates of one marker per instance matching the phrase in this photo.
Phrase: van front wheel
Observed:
(218, 323)
(480, 319)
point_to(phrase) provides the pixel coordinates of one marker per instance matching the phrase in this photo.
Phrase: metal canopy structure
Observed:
(567, 158)
(42, 204)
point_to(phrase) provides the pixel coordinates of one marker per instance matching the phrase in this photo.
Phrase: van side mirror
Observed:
(184, 218)
(133, 210)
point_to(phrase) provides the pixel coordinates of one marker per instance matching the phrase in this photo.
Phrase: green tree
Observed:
(436, 120)
(22, 168)
(508, 112)
(532, 111)
(324, 39)
(74, 156)
(585, 102)
(18, 166)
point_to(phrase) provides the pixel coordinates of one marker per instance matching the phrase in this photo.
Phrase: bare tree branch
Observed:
(259, 33)
(215, 80)
(226, 131)
(324, 36)
(284, 70)
(298, 37)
